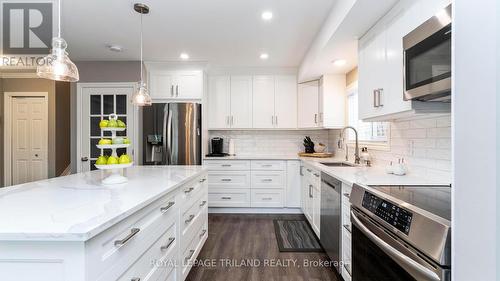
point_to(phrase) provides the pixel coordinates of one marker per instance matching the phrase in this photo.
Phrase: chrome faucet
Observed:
(342, 140)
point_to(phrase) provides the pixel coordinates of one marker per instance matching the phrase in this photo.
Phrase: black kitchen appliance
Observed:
(217, 147)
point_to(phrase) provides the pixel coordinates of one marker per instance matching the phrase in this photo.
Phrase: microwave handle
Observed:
(400, 258)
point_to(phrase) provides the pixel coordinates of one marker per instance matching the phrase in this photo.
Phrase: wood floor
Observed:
(236, 242)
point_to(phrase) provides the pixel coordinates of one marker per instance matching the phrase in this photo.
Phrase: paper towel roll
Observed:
(231, 147)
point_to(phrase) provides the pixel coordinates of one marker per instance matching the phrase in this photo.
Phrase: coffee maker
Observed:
(217, 147)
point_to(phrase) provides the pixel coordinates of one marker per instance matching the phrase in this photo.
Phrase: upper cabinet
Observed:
(380, 63)
(321, 103)
(252, 102)
(175, 84)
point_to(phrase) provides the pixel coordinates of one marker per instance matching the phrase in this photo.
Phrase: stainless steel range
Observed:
(401, 233)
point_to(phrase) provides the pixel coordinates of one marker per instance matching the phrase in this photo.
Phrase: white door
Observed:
(96, 104)
(285, 102)
(308, 103)
(161, 85)
(29, 144)
(219, 102)
(241, 102)
(189, 85)
(263, 102)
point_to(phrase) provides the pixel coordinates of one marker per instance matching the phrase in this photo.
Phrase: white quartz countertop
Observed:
(78, 207)
(348, 175)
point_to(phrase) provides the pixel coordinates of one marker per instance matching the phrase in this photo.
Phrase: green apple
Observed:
(121, 124)
(112, 123)
(101, 160)
(104, 141)
(126, 140)
(124, 159)
(112, 160)
(103, 123)
(118, 140)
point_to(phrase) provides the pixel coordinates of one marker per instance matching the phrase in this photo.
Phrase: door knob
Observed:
(85, 159)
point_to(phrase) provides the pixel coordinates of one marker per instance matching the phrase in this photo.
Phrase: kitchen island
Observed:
(75, 228)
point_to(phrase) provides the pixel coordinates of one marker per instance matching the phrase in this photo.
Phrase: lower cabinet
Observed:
(253, 183)
(346, 232)
(311, 196)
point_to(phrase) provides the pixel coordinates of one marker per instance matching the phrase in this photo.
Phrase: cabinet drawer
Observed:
(268, 179)
(192, 191)
(192, 250)
(113, 251)
(227, 165)
(346, 250)
(229, 198)
(272, 198)
(231, 179)
(192, 219)
(312, 174)
(162, 253)
(268, 165)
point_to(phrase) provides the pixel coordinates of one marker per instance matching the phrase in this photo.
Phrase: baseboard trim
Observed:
(214, 210)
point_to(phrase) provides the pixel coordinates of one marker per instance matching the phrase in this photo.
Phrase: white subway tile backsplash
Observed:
(444, 132)
(423, 123)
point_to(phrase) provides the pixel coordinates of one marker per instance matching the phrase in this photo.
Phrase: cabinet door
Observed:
(316, 209)
(218, 102)
(285, 102)
(308, 102)
(161, 85)
(263, 102)
(293, 184)
(241, 102)
(189, 85)
(372, 66)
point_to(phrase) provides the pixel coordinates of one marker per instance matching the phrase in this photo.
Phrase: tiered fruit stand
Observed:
(116, 176)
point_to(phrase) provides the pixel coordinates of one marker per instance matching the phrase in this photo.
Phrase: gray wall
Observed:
(63, 127)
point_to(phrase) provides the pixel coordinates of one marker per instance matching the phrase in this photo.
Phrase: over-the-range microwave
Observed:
(427, 59)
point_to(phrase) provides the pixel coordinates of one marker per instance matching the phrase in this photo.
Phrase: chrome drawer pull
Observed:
(135, 279)
(202, 180)
(267, 180)
(132, 233)
(226, 165)
(191, 217)
(317, 175)
(189, 190)
(267, 198)
(226, 198)
(170, 241)
(225, 180)
(203, 203)
(191, 253)
(203, 233)
(309, 170)
(347, 195)
(164, 209)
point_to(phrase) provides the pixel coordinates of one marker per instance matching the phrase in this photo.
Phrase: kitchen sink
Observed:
(338, 164)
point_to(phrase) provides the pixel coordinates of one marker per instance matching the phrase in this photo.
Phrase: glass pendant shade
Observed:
(141, 96)
(57, 65)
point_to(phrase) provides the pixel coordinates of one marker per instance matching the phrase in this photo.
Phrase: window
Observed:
(368, 132)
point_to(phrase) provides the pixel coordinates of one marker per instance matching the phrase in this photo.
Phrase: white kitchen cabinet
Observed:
(332, 101)
(308, 104)
(293, 184)
(180, 85)
(380, 64)
(311, 197)
(219, 102)
(285, 101)
(241, 102)
(263, 102)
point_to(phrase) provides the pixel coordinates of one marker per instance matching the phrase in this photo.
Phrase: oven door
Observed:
(378, 256)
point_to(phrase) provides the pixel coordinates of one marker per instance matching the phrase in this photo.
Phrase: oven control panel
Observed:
(390, 213)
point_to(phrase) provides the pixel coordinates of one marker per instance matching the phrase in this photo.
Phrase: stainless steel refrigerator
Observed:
(172, 134)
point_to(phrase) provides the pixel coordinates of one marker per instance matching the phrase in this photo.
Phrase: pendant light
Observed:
(57, 65)
(141, 95)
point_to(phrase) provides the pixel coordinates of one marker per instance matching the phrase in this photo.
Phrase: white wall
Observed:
(475, 88)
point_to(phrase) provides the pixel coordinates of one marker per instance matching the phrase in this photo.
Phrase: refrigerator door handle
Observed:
(164, 135)
(169, 137)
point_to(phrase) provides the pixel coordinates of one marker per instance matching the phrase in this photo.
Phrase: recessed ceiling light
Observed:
(184, 56)
(264, 56)
(339, 62)
(115, 48)
(267, 15)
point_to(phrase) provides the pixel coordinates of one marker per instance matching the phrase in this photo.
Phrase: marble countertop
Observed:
(78, 207)
(348, 175)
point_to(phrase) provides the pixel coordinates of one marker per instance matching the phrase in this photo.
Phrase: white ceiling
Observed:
(221, 32)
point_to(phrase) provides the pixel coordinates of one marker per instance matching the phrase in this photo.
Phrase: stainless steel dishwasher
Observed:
(330, 222)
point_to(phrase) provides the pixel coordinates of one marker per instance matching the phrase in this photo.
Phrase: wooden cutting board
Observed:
(316, 154)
